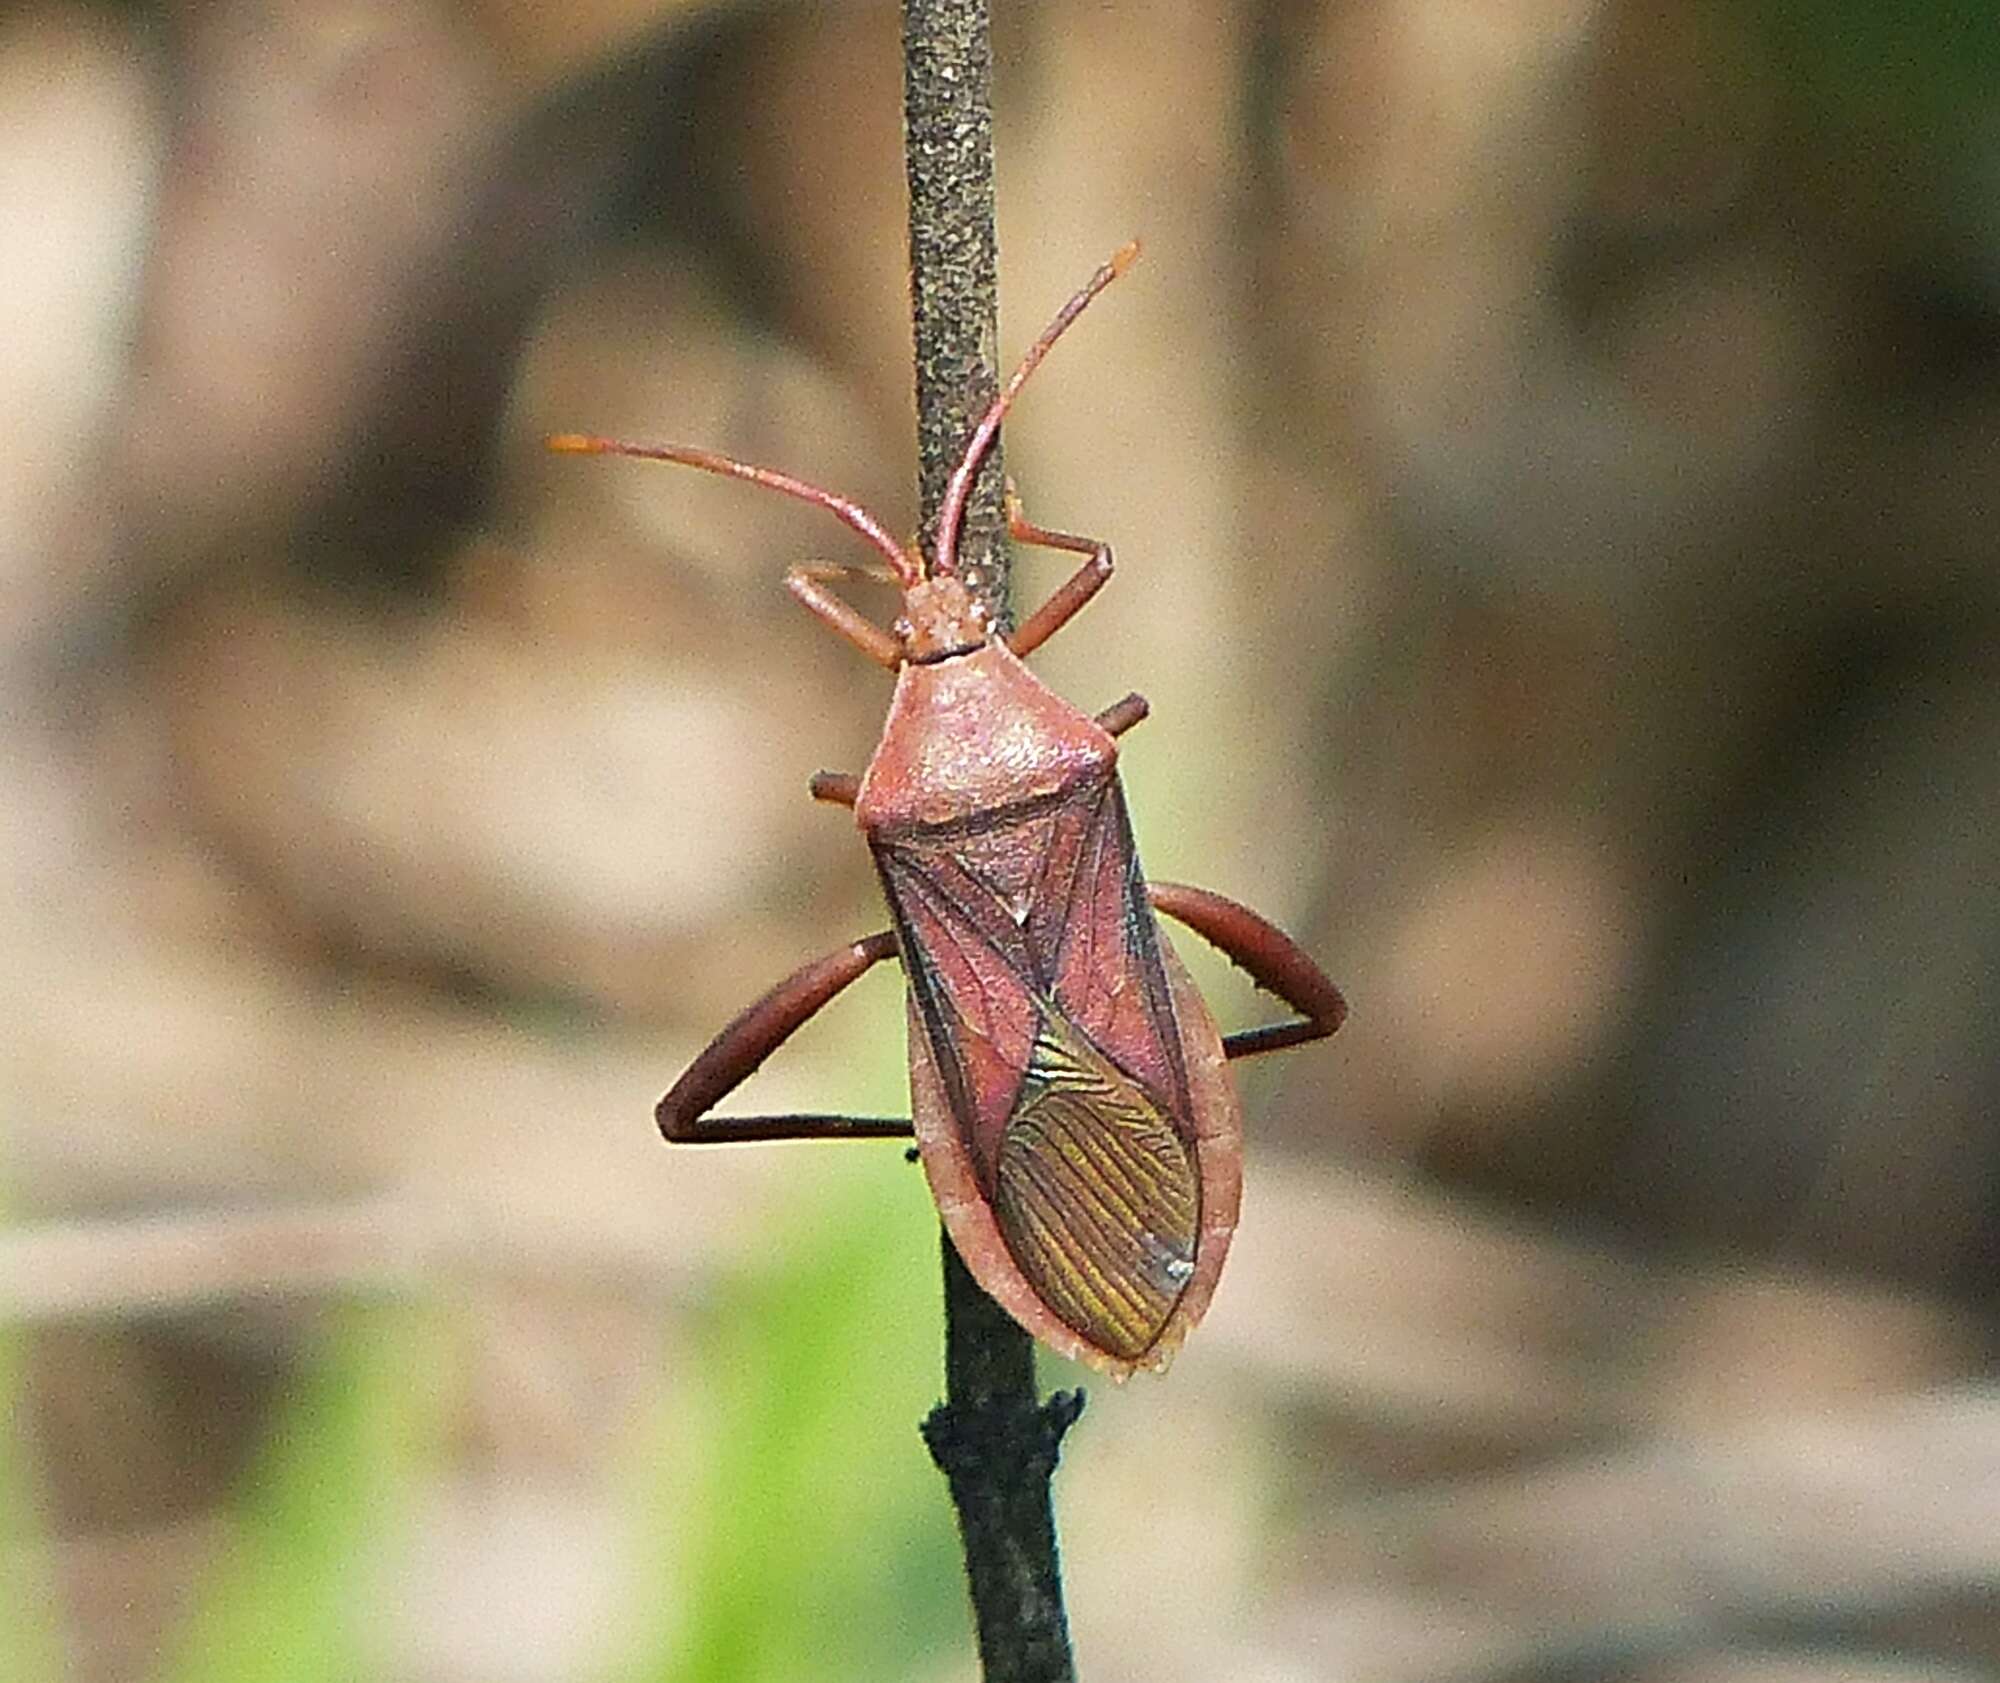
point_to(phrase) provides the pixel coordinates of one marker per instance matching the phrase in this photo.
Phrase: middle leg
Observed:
(1122, 715)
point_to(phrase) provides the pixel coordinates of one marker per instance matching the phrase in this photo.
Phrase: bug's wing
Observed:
(1035, 971)
(1097, 1195)
(1096, 943)
(1042, 913)
(972, 981)
(966, 1206)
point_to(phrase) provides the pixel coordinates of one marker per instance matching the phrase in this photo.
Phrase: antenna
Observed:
(951, 512)
(907, 570)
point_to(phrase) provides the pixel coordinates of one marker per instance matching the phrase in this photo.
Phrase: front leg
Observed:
(809, 585)
(1083, 584)
(733, 1055)
(1275, 962)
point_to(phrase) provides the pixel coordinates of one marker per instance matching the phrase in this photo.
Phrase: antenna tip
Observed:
(1124, 257)
(574, 444)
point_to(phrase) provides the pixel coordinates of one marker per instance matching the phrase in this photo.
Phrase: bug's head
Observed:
(941, 616)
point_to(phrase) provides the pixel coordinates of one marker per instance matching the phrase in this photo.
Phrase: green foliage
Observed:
(1930, 70)
(798, 1529)
(288, 1600)
(817, 1541)
(29, 1650)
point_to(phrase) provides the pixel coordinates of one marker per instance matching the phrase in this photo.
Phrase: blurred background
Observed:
(1551, 449)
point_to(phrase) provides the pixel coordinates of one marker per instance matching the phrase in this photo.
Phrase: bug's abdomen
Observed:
(1096, 1195)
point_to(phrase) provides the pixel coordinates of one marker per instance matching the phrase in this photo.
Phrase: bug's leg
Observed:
(734, 1054)
(1081, 585)
(809, 584)
(1121, 716)
(1275, 962)
(841, 788)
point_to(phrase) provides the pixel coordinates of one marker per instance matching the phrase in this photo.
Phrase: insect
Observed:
(1069, 1091)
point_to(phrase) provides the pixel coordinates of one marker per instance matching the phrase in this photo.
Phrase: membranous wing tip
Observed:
(1097, 1195)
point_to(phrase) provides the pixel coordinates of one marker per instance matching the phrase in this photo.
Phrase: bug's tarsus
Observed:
(951, 511)
(766, 1130)
(734, 1055)
(1273, 960)
(840, 788)
(809, 585)
(1123, 714)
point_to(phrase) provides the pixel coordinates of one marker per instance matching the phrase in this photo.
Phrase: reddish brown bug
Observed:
(1068, 1089)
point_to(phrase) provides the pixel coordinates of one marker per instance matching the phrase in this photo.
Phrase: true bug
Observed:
(1068, 1087)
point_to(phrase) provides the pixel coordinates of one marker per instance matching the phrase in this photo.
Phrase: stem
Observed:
(997, 1446)
(954, 270)
(995, 1442)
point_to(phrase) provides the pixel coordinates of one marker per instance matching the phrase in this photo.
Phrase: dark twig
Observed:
(997, 1446)
(954, 265)
(992, 1438)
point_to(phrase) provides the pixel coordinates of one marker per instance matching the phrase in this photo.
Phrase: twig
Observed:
(954, 265)
(995, 1442)
(65, 1270)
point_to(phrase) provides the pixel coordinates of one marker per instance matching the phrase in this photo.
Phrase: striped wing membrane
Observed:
(1096, 1195)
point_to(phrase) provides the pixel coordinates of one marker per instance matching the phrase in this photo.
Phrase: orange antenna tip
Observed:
(1124, 257)
(575, 444)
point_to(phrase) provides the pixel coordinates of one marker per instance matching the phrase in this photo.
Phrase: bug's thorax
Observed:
(972, 734)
